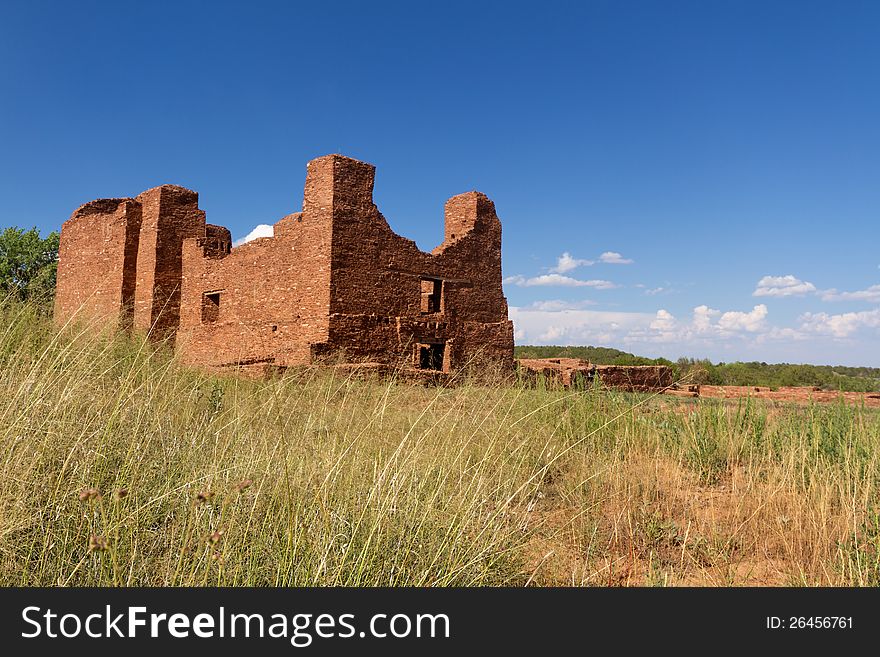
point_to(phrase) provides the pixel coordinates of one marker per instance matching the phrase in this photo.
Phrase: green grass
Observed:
(320, 479)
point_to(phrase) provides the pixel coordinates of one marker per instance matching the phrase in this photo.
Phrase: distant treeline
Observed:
(855, 379)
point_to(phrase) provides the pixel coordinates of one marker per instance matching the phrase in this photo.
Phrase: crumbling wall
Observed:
(96, 262)
(380, 280)
(122, 258)
(170, 214)
(561, 372)
(333, 279)
(635, 378)
(273, 294)
(566, 372)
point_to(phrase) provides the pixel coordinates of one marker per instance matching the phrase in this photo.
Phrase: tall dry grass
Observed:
(121, 467)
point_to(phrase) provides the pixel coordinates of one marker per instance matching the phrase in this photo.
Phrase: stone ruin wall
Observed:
(273, 295)
(566, 372)
(119, 260)
(635, 378)
(170, 214)
(96, 262)
(380, 280)
(334, 278)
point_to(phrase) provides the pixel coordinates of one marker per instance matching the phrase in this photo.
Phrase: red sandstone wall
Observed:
(334, 278)
(170, 215)
(565, 372)
(274, 292)
(96, 262)
(376, 293)
(641, 378)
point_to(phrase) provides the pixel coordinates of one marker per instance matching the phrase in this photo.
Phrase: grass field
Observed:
(120, 467)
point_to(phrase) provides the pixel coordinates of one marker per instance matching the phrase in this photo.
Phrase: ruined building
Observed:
(334, 279)
(568, 372)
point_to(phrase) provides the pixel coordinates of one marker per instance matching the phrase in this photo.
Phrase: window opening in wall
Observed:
(210, 307)
(432, 291)
(431, 356)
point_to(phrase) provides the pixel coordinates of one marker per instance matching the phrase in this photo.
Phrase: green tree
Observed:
(28, 264)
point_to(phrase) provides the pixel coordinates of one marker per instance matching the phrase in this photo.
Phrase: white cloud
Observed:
(783, 286)
(751, 321)
(262, 230)
(787, 286)
(851, 338)
(784, 334)
(871, 294)
(707, 332)
(654, 291)
(552, 333)
(583, 327)
(840, 326)
(614, 258)
(557, 279)
(703, 318)
(566, 263)
(707, 326)
(553, 305)
(664, 321)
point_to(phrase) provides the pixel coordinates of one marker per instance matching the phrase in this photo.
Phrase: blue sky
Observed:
(729, 150)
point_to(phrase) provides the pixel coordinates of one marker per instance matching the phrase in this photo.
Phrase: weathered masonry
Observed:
(333, 280)
(568, 372)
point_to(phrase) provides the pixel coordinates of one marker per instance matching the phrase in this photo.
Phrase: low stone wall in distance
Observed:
(566, 372)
